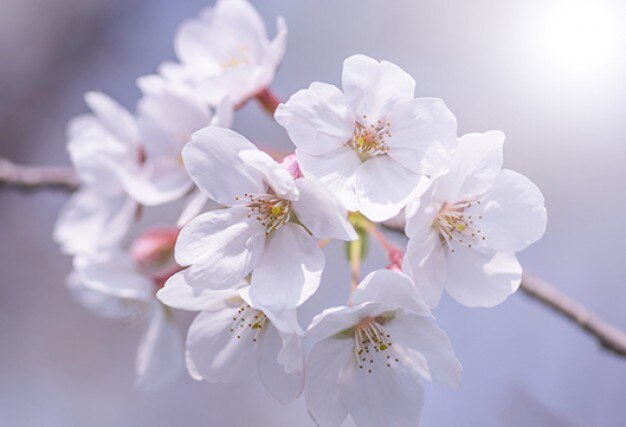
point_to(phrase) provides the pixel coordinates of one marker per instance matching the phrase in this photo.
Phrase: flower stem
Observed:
(394, 253)
(355, 262)
(268, 100)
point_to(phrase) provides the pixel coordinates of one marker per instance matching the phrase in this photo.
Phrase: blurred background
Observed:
(550, 73)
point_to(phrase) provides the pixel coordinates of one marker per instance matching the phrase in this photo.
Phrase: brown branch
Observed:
(25, 178)
(609, 337)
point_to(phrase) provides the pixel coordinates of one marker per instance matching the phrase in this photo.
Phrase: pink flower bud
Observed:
(291, 164)
(395, 256)
(153, 253)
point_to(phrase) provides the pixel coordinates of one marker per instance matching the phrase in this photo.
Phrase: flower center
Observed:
(372, 345)
(272, 212)
(242, 55)
(455, 224)
(248, 321)
(369, 140)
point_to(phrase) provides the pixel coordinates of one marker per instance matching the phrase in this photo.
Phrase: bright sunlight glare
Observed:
(578, 36)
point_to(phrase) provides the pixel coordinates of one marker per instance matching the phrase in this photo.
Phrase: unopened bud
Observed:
(291, 164)
(153, 254)
(395, 257)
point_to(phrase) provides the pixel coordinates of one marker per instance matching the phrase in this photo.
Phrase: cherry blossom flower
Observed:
(373, 142)
(372, 355)
(232, 335)
(166, 119)
(226, 53)
(102, 146)
(465, 228)
(268, 228)
(112, 286)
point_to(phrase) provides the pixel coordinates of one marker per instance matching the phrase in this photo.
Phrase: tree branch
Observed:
(27, 179)
(607, 335)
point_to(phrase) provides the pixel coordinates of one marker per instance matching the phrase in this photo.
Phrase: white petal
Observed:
(474, 165)
(334, 320)
(274, 174)
(321, 211)
(195, 204)
(383, 187)
(215, 353)
(425, 349)
(283, 386)
(423, 135)
(318, 119)
(324, 364)
(482, 279)
(385, 397)
(513, 214)
(177, 293)
(336, 170)
(90, 221)
(159, 359)
(274, 53)
(421, 209)
(374, 88)
(236, 84)
(161, 180)
(223, 246)
(104, 304)
(390, 289)
(212, 160)
(113, 116)
(113, 273)
(290, 270)
(425, 263)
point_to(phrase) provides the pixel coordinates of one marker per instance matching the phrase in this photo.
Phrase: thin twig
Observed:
(609, 337)
(25, 178)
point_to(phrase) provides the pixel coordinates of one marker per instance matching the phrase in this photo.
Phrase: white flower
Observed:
(166, 119)
(226, 53)
(466, 227)
(372, 355)
(102, 146)
(262, 230)
(232, 335)
(373, 142)
(109, 284)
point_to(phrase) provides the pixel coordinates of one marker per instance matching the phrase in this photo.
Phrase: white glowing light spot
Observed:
(579, 35)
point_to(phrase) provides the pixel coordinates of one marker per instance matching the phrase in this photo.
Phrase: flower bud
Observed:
(153, 254)
(291, 164)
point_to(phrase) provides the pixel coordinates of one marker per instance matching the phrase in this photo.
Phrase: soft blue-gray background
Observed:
(524, 366)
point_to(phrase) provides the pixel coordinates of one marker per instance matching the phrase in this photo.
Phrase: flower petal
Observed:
(221, 246)
(513, 213)
(321, 386)
(375, 88)
(283, 386)
(384, 397)
(482, 279)
(334, 320)
(215, 353)
(115, 118)
(274, 174)
(425, 263)
(213, 163)
(474, 166)
(177, 293)
(90, 221)
(426, 349)
(290, 270)
(318, 119)
(423, 135)
(321, 212)
(383, 187)
(336, 170)
(159, 359)
(390, 289)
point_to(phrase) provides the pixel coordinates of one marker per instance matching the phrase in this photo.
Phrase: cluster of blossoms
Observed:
(246, 250)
